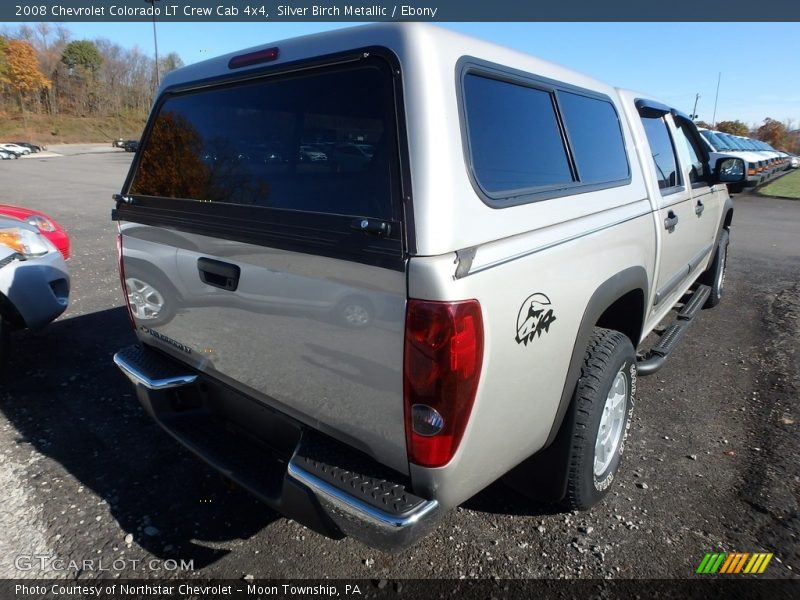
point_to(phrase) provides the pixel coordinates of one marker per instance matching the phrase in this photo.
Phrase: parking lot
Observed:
(86, 475)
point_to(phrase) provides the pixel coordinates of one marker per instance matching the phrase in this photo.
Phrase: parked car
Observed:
(794, 162)
(7, 155)
(118, 143)
(311, 154)
(130, 145)
(31, 147)
(18, 150)
(45, 224)
(523, 228)
(10, 153)
(34, 280)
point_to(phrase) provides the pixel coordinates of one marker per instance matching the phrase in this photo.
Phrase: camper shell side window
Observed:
(528, 138)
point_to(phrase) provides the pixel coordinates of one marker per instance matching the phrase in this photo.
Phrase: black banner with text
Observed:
(381, 10)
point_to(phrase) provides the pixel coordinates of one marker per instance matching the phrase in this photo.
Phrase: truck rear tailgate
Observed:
(262, 244)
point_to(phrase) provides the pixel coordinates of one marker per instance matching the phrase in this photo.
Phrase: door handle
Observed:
(698, 210)
(218, 274)
(670, 221)
(372, 226)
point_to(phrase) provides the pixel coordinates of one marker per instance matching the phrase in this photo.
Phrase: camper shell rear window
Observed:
(320, 140)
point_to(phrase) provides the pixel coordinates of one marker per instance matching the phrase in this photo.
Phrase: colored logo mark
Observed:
(734, 562)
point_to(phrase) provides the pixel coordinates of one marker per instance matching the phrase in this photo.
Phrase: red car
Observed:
(49, 228)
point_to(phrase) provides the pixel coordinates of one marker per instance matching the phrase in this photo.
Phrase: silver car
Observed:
(34, 281)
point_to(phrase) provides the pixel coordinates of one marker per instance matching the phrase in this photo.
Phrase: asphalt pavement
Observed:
(86, 476)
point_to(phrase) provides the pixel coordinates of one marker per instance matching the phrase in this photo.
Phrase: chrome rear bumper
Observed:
(311, 478)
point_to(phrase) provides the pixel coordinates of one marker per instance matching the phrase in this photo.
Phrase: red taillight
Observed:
(441, 368)
(121, 264)
(253, 58)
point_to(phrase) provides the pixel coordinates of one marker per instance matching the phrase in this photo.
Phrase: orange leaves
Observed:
(22, 67)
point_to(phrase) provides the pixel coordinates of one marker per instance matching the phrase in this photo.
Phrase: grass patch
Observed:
(787, 186)
(44, 129)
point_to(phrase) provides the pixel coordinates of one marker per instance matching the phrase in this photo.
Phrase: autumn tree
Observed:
(734, 128)
(171, 163)
(24, 75)
(96, 77)
(774, 133)
(127, 77)
(49, 41)
(793, 141)
(703, 124)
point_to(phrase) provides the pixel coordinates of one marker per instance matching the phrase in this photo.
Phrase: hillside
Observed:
(44, 129)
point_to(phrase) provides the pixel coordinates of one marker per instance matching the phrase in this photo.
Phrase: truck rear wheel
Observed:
(355, 312)
(150, 297)
(602, 406)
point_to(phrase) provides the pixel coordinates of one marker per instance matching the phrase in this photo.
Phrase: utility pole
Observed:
(714, 118)
(155, 39)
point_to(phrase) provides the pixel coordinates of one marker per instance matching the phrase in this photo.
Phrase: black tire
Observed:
(609, 354)
(714, 277)
(157, 291)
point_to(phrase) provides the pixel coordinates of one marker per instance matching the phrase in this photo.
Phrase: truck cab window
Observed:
(663, 152)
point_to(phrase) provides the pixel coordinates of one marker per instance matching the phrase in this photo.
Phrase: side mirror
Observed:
(729, 170)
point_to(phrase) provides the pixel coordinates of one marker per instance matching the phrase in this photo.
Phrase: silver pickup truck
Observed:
(374, 270)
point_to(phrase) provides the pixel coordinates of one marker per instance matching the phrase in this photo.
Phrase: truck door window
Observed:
(663, 153)
(697, 171)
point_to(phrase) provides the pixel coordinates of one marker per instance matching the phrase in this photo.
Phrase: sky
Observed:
(758, 64)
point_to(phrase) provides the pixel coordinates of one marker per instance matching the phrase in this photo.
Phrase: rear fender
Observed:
(546, 470)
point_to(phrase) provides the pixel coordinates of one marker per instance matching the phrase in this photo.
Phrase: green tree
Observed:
(78, 76)
(83, 53)
(734, 128)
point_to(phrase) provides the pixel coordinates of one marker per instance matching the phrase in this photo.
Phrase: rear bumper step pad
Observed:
(149, 369)
(320, 482)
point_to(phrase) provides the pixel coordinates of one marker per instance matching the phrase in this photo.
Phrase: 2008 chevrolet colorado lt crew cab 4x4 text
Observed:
(450, 290)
